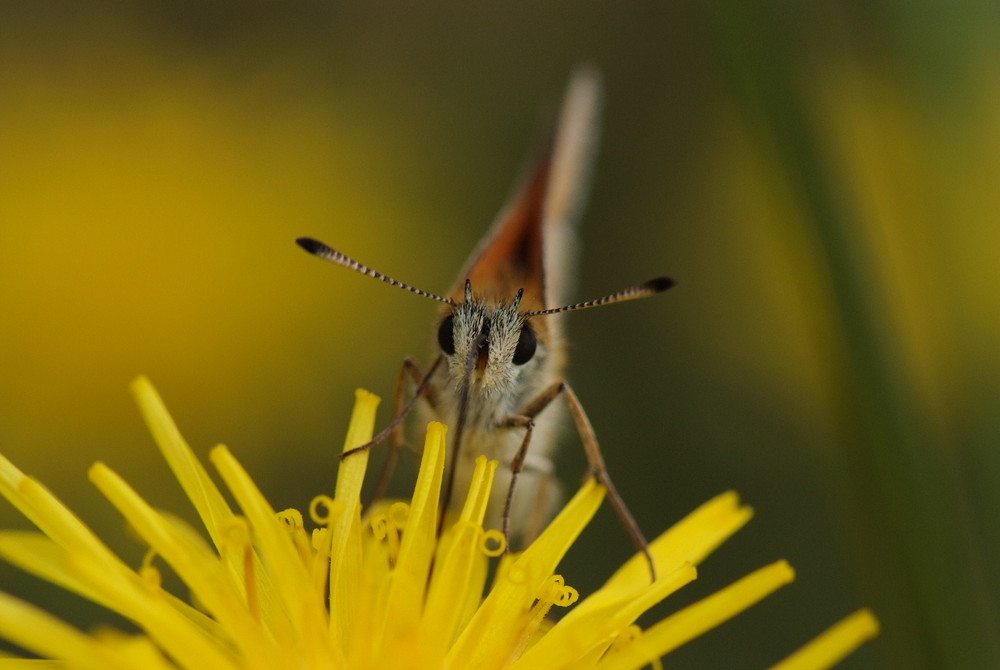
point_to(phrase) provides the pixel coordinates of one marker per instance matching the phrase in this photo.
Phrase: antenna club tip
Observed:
(661, 284)
(309, 244)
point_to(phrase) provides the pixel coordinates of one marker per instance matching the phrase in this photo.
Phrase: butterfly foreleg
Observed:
(526, 421)
(599, 471)
(410, 370)
(595, 460)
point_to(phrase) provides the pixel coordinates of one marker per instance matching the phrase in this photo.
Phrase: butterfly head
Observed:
(490, 343)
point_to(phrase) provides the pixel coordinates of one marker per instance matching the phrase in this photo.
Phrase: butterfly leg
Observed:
(526, 421)
(410, 369)
(421, 392)
(595, 460)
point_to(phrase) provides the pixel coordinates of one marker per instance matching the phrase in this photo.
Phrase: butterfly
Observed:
(499, 369)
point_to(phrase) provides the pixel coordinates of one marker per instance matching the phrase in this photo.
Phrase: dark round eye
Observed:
(526, 345)
(446, 335)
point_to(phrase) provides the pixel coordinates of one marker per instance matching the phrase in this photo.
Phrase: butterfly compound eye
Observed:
(526, 345)
(446, 335)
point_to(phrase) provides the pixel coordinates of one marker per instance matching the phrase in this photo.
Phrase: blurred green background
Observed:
(821, 178)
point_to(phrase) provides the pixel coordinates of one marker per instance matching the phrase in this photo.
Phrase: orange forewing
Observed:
(513, 258)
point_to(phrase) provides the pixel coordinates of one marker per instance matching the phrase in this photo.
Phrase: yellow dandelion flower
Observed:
(383, 591)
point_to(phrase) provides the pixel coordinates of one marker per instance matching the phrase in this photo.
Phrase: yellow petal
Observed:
(47, 636)
(37, 554)
(834, 644)
(571, 639)
(198, 486)
(700, 617)
(495, 632)
(345, 546)
(457, 583)
(52, 517)
(408, 580)
(91, 562)
(301, 603)
(690, 540)
(211, 506)
(193, 561)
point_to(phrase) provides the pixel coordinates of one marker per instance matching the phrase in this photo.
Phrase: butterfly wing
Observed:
(573, 157)
(532, 243)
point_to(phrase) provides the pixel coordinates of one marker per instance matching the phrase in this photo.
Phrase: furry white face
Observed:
(494, 347)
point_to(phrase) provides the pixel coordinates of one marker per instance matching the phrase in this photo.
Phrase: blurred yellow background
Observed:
(821, 181)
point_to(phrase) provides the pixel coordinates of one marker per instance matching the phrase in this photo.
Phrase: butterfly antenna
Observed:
(317, 248)
(644, 290)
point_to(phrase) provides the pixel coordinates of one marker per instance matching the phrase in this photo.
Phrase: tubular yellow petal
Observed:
(211, 506)
(50, 515)
(494, 630)
(700, 617)
(419, 540)
(190, 473)
(474, 509)
(208, 501)
(11, 479)
(34, 552)
(37, 554)
(690, 540)
(575, 637)
(301, 603)
(834, 644)
(345, 547)
(456, 585)
(42, 557)
(374, 574)
(200, 568)
(135, 651)
(47, 636)
(146, 604)
(405, 596)
(111, 581)
(544, 554)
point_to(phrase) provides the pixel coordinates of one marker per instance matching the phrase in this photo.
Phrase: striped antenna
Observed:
(652, 287)
(317, 248)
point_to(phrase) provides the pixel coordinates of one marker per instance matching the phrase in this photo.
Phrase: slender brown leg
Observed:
(411, 369)
(525, 420)
(398, 419)
(592, 449)
(600, 471)
(516, 465)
